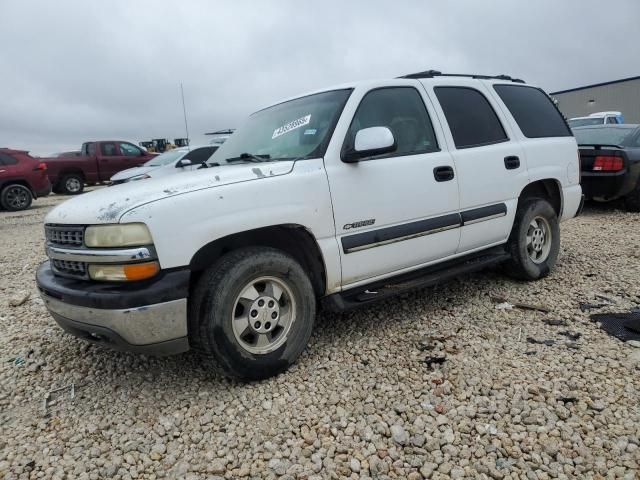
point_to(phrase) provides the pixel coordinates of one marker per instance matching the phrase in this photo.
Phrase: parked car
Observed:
(98, 162)
(346, 196)
(610, 163)
(22, 178)
(177, 160)
(598, 118)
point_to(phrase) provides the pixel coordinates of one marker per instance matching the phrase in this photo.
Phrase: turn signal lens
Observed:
(124, 273)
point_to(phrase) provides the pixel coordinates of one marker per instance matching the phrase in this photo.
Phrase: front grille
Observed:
(69, 268)
(65, 235)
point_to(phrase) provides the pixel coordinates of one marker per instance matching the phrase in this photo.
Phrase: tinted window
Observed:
(129, 150)
(403, 112)
(108, 149)
(611, 120)
(534, 111)
(604, 135)
(472, 120)
(6, 159)
(583, 122)
(200, 155)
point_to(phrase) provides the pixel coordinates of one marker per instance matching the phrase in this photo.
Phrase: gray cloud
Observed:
(75, 70)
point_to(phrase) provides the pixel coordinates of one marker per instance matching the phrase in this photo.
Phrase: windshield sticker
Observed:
(301, 122)
(310, 131)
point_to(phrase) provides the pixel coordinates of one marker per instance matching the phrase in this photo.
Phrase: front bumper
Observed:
(146, 317)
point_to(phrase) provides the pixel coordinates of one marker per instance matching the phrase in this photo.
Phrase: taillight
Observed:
(41, 166)
(607, 163)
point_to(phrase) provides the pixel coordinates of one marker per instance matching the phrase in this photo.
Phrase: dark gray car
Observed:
(610, 163)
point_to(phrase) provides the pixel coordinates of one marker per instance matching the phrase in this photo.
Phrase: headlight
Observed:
(123, 273)
(117, 235)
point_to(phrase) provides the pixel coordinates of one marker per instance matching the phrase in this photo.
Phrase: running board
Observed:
(426, 277)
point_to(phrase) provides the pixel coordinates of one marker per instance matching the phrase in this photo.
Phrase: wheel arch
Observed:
(19, 181)
(547, 188)
(294, 239)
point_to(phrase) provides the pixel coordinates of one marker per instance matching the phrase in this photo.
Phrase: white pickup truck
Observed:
(344, 196)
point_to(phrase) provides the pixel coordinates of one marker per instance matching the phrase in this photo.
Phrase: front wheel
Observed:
(253, 311)
(534, 242)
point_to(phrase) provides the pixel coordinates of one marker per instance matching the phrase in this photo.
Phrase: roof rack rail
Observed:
(436, 73)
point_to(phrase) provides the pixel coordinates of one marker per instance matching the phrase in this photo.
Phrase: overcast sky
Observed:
(72, 71)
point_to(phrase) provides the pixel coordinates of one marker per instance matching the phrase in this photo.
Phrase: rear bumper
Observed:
(149, 318)
(572, 201)
(43, 191)
(607, 186)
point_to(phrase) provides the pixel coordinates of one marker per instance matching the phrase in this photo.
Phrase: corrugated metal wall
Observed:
(623, 97)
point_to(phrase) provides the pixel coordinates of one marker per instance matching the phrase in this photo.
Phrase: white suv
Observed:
(345, 195)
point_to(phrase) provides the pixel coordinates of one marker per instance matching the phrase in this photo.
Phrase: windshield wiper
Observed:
(250, 157)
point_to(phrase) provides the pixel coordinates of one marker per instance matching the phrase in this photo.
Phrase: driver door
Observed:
(393, 212)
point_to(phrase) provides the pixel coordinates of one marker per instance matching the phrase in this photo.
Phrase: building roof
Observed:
(596, 85)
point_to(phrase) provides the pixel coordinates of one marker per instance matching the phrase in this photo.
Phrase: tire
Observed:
(71, 184)
(533, 252)
(632, 201)
(260, 347)
(15, 197)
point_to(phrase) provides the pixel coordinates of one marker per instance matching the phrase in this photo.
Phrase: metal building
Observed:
(618, 95)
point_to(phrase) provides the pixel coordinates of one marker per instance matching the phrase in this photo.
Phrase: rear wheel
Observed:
(534, 242)
(15, 197)
(632, 201)
(253, 311)
(71, 184)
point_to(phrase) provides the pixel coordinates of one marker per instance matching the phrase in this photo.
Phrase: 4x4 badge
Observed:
(361, 223)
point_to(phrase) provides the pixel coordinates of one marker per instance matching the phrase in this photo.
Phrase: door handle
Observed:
(443, 174)
(511, 162)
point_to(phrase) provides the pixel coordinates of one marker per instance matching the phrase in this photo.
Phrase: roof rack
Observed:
(436, 73)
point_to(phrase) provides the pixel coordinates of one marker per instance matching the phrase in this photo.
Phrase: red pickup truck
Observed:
(97, 162)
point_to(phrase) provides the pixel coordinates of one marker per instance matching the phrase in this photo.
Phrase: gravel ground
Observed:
(362, 401)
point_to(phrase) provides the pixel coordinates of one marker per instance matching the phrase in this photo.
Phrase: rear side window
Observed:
(6, 159)
(611, 120)
(108, 149)
(534, 111)
(200, 155)
(470, 116)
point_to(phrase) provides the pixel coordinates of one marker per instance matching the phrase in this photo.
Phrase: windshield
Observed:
(602, 136)
(296, 129)
(165, 158)
(583, 122)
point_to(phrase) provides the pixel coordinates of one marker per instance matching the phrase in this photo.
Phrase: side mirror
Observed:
(369, 142)
(184, 162)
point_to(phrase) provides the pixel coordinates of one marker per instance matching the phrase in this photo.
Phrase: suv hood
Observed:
(107, 205)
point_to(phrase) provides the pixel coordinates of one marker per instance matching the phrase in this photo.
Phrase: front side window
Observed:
(611, 120)
(293, 130)
(129, 150)
(402, 111)
(108, 149)
(533, 111)
(471, 118)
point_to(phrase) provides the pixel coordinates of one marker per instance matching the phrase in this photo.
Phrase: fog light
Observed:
(123, 273)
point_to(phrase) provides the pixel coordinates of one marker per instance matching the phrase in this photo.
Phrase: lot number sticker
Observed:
(301, 122)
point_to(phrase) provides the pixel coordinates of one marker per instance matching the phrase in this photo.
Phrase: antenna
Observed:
(184, 110)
